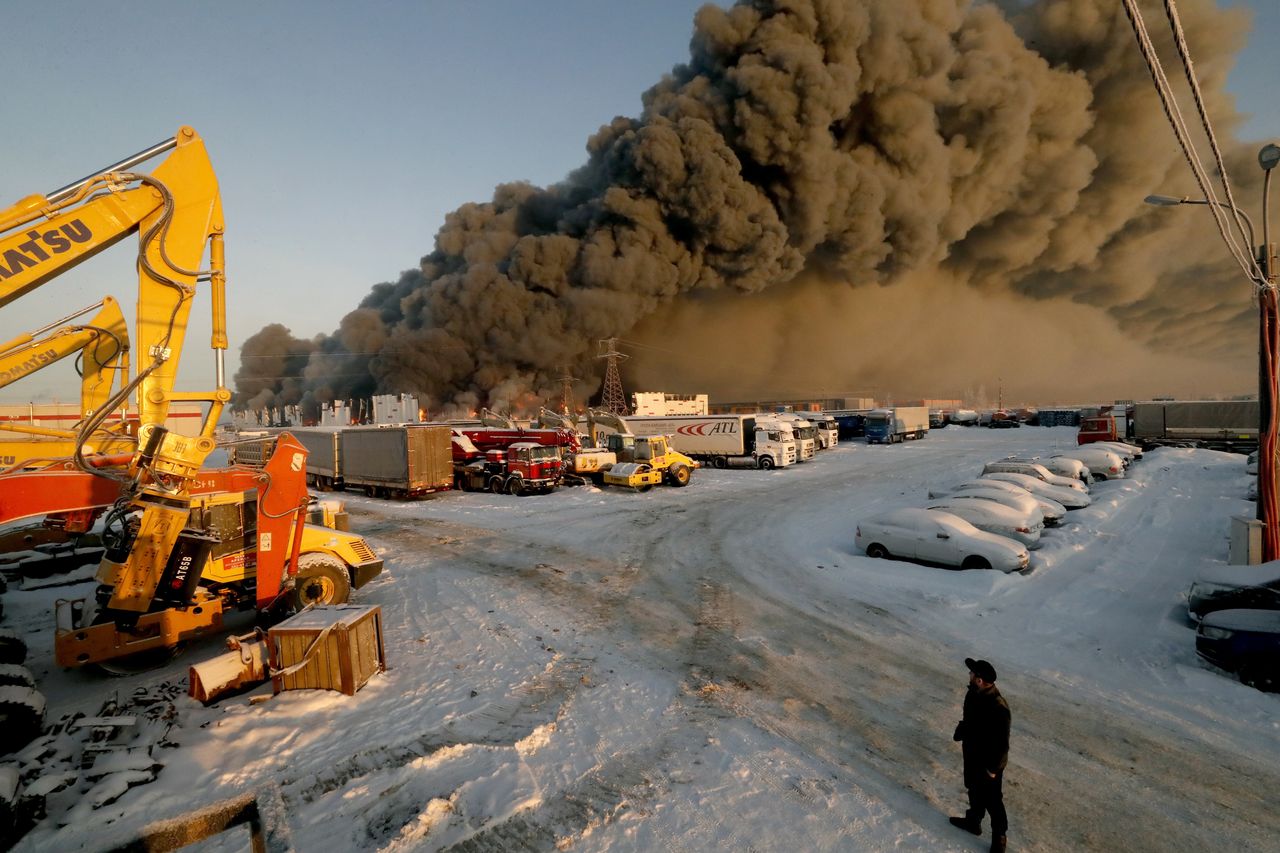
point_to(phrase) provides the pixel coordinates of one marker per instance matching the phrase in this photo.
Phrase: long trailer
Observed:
(324, 456)
(1219, 424)
(398, 461)
(720, 440)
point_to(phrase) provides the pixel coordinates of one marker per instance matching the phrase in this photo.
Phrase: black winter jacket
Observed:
(984, 734)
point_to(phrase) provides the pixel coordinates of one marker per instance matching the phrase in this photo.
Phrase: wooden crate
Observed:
(334, 647)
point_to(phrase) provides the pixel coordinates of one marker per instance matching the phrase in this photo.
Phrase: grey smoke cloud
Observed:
(820, 147)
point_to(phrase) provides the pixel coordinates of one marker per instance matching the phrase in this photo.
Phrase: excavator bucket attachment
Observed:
(243, 666)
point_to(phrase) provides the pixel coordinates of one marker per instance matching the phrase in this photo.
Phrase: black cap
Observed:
(981, 668)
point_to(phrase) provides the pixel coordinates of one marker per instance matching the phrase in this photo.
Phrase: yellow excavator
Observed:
(183, 543)
(102, 344)
(176, 210)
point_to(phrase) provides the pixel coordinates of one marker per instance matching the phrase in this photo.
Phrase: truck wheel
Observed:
(719, 462)
(765, 463)
(515, 486)
(321, 579)
(680, 475)
(495, 485)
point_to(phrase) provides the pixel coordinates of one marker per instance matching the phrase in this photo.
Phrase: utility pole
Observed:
(613, 398)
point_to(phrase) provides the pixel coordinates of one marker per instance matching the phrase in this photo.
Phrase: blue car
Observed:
(1246, 642)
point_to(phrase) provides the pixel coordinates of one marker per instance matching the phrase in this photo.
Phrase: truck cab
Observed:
(802, 433)
(522, 468)
(826, 430)
(774, 447)
(1097, 428)
(535, 465)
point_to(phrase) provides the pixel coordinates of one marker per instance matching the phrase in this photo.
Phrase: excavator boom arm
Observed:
(177, 210)
(103, 343)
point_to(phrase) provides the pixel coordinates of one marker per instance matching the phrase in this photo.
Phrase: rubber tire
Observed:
(679, 475)
(495, 485)
(12, 649)
(976, 562)
(876, 551)
(321, 579)
(719, 462)
(13, 675)
(765, 463)
(515, 486)
(20, 723)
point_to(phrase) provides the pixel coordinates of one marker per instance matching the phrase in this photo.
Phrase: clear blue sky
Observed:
(342, 133)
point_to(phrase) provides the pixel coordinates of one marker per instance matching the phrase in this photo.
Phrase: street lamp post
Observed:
(1268, 351)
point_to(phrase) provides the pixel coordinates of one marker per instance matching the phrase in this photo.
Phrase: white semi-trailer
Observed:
(722, 440)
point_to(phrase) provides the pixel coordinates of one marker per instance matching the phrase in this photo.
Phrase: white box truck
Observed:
(721, 441)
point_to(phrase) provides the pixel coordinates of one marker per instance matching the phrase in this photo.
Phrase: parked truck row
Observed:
(1216, 424)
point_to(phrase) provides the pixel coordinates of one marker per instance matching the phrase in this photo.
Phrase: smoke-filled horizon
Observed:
(981, 165)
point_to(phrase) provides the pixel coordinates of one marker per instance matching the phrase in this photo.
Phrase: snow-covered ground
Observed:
(715, 668)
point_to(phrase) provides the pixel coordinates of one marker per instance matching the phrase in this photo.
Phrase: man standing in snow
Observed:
(984, 736)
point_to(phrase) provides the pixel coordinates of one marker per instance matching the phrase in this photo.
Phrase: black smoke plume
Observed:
(821, 146)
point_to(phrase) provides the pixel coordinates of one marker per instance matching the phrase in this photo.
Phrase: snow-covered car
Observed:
(1103, 463)
(1246, 642)
(1069, 498)
(1015, 498)
(930, 536)
(1235, 587)
(1126, 451)
(1052, 511)
(1017, 524)
(1071, 468)
(1036, 470)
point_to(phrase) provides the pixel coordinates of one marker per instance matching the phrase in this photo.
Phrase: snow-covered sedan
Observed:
(1018, 524)
(1036, 470)
(932, 536)
(1071, 468)
(1128, 452)
(1016, 498)
(1069, 498)
(1053, 511)
(1103, 463)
